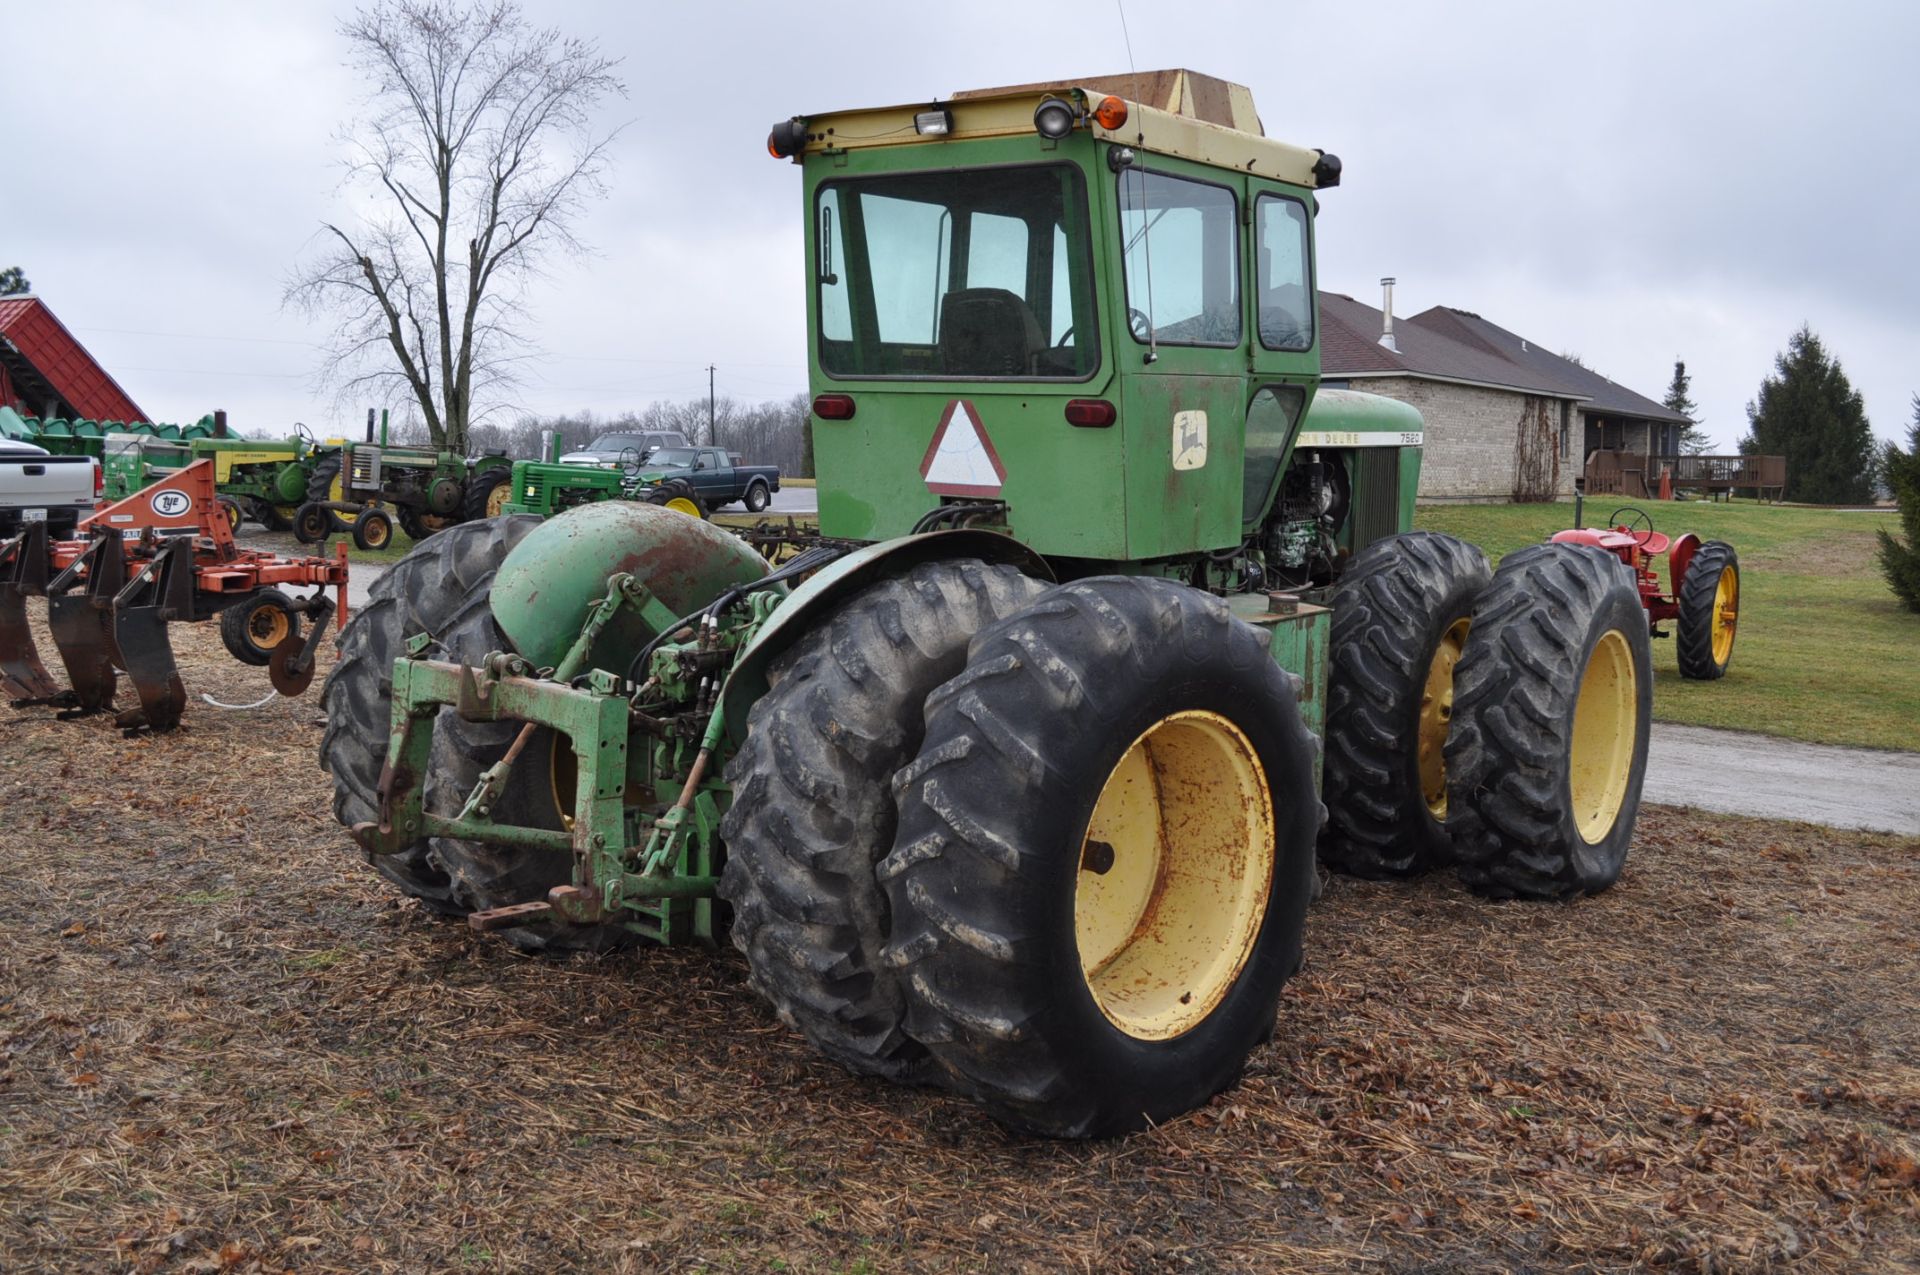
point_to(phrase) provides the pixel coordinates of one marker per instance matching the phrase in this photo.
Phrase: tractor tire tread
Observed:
(1515, 691)
(958, 877)
(813, 812)
(1693, 629)
(1395, 602)
(418, 594)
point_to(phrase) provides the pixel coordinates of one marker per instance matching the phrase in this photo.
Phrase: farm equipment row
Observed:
(160, 556)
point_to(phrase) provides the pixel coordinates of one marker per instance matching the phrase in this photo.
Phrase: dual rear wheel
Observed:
(1061, 867)
(1495, 721)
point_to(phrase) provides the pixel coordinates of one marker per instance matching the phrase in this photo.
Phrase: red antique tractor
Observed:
(1705, 601)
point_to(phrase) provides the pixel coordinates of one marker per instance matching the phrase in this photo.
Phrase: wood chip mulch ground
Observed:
(226, 1046)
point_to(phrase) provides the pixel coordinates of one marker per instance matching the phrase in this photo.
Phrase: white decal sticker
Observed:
(170, 503)
(1189, 440)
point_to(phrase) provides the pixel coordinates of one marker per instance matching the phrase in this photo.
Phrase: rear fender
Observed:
(840, 581)
(1678, 557)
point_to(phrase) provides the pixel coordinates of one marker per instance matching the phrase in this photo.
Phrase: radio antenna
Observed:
(1140, 160)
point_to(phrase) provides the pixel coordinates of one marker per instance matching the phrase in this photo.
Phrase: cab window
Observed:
(1284, 279)
(956, 274)
(1180, 244)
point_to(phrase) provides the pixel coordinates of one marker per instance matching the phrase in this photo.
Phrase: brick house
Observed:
(1506, 418)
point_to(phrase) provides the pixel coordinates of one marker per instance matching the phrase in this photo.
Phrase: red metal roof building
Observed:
(45, 372)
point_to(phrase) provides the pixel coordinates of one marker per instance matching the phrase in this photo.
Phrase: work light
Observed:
(937, 122)
(1054, 118)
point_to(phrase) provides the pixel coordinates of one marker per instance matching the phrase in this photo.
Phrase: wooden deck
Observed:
(1631, 474)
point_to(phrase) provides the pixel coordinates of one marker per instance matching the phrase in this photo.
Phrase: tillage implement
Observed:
(161, 555)
(1011, 780)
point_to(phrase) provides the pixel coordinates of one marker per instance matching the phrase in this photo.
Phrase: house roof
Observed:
(1458, 345)
(1603, 395)
(1350, 346)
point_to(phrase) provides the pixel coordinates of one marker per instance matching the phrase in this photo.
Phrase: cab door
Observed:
(1283, 315)
(1181, 334)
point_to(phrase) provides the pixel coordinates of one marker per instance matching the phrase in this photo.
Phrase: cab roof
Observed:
(1172, 112)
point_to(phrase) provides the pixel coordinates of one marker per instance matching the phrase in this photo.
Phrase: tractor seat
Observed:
(987, 332)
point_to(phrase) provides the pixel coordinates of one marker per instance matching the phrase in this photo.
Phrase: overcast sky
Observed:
(1633, 182)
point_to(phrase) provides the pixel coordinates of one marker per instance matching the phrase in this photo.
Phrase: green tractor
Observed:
(261, 479)
(361, 487)
(1009, 782)
(546, 487)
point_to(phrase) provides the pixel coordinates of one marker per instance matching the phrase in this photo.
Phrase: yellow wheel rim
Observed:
(1605, 726)
(233, 516)
(1175, 871)
(681, 505)
(1436, 715)
(378, 532)
(497, 499)
(1726, 614)
(268, 626)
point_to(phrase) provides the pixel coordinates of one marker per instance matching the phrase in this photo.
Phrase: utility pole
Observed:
(712, 438)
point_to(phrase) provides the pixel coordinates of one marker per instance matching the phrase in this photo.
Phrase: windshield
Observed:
(981, 273)
(674, 456)
(614, 444)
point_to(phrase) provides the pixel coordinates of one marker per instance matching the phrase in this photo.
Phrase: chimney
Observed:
(1386, 315)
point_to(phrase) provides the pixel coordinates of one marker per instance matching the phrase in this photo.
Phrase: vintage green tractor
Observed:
(1009, 782)
(546, 487)
(354, 488)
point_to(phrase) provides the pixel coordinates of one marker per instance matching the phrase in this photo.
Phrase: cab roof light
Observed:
(1111, 113)
(936, 121)
(1054, 118)
(787, 138)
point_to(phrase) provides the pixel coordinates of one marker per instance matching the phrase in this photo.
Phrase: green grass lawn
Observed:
(1824, 652)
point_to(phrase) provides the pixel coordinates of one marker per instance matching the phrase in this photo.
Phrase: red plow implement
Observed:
(163, 554)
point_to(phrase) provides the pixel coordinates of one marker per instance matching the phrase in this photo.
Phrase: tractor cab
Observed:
(1084, 313)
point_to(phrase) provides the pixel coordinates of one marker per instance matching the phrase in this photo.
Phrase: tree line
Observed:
(770, 433)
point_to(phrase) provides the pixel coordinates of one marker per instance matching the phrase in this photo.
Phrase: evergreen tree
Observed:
(1901, 561)
(1810, 413)
(1693, 439)
(13, 281)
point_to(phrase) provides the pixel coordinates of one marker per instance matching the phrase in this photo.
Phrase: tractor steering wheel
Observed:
(630, 460)
(1138, 322)
(1639, 526)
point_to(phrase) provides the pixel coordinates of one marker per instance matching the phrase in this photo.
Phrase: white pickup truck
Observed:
(35, 486)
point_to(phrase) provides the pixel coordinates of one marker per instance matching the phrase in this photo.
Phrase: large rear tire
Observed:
(1401, 616)
(813, 808)
(1553, 703)
(1104, 857)
(488, 492)
(421, 593)
(1709, 609)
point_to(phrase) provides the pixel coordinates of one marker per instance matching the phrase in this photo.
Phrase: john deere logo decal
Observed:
(170, 503)
(960, 461)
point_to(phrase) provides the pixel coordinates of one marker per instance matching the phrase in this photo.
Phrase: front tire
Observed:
(1401, 616)
(1709, 604)
(1553, 705)
(813, 808)
(1104, 857)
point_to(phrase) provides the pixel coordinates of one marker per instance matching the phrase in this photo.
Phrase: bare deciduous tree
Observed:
(474, 157)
